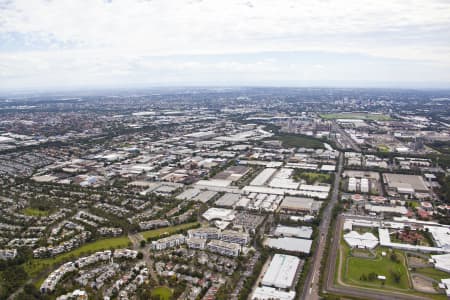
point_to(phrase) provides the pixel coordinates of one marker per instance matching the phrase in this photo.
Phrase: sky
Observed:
(47, 44)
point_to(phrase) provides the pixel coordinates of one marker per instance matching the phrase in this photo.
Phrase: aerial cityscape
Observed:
(224, 150)
(226, 193)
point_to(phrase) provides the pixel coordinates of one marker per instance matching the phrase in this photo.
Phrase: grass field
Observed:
(312, 177)
(293, 140)
(383, 148)
(155, 233)
(35, 212)
(361, 265)
(363, 116)
(356, 267)
(163, 292)
(35, 266)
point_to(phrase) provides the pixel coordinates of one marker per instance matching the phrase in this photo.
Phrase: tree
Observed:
(16, 276)
(372, 276)
(396, 275)
(394, 257)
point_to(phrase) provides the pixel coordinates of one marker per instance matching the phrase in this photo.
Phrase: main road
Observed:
(311, 287)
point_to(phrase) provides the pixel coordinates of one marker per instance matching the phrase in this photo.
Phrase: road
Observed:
(311, 287)
(347, 290)
(345, 136)
(136, 241)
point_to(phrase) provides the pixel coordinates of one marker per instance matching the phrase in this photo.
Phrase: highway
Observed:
(311, 287)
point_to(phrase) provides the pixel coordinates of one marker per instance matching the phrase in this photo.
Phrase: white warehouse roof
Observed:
(215, 182)
(442, 262)
(284, 183)
(441, 235)
(219, 213)
(356, 240)
(263, 177)
(269, 293)
(315, 188)
(301, 232)
(281, 271)
(328, 168)
(290, 244)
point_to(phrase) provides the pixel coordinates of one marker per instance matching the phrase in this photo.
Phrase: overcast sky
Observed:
(120, 43)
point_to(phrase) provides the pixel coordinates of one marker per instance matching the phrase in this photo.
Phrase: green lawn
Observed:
(34, 212)
(163, 292)
(364, 116)
(359, 266)
(356, 267)
(155, 233)
(35, 266)
(383, 148)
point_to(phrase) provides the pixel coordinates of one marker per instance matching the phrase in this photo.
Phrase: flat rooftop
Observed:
(281, 272)
(290, 244)
(400, 181)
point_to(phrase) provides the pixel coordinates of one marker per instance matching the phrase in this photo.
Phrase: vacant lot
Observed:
(312, 177)
(432, 273)
(363, 116)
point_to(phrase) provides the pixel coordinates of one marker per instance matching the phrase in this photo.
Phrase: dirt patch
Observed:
(362, 253)
(417, 262)
(422, 284)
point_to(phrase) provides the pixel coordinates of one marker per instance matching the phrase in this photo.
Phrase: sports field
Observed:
(163, 292)
(363, 116)
(35, 212)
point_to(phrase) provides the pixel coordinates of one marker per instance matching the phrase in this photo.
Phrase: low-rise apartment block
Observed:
(224, 248)
(168, 242)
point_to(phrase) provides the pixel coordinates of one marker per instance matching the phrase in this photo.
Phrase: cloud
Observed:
(104, 37)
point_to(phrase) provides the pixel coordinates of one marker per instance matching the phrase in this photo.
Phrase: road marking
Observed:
(310, 290)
